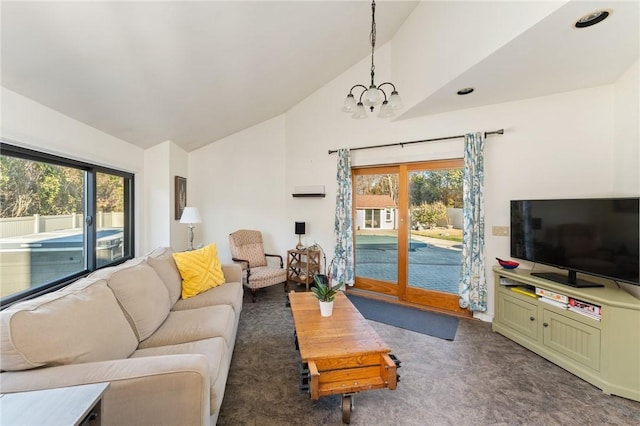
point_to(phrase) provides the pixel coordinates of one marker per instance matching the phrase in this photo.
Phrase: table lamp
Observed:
(190, 215)
(299, 232)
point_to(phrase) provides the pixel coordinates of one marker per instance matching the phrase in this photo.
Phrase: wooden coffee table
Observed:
(343, 353)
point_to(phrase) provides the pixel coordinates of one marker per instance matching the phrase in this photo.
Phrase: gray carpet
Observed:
(481, 378)
(424, 322)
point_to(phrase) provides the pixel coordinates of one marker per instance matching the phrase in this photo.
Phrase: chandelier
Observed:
(373, 95)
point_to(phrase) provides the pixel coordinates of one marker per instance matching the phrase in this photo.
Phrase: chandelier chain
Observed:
(373, 95)
(372, 39)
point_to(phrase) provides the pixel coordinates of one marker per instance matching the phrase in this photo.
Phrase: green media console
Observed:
(605, 352)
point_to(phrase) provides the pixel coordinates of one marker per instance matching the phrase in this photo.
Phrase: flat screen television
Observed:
(596, 236)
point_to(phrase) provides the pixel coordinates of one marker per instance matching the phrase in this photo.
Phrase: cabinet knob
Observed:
(545, 324)
(532, 318)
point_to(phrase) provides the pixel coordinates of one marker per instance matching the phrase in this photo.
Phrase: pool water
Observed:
(430, 266)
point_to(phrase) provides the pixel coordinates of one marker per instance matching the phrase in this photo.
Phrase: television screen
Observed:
(595, 236)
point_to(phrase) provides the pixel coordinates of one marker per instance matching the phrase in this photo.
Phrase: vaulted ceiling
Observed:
(191, 72)
(195, 72)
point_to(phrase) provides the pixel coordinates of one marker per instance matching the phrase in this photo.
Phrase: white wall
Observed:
(157, 198)
(161, 164)
(239, 183)
(626, 179)
(32, 125)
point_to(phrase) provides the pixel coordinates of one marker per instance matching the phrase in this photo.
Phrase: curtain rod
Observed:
(402, 144)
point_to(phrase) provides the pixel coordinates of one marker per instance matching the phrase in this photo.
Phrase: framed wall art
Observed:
(180, 196)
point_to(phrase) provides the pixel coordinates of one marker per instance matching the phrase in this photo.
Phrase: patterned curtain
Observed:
(473, 283)
(342, 270)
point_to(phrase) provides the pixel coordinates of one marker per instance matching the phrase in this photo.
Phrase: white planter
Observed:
(326, 308)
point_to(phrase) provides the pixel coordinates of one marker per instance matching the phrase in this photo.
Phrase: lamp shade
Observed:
(372, 96)
(394, 101)
(190, 215)
(349, 104)
(386, 110)
(360, 112)
(300, 228)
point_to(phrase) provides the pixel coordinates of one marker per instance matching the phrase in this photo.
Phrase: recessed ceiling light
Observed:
(592, 18)
(465, 91)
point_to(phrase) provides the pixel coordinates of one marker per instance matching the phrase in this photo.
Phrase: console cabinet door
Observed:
(518, 315)
(573, 339)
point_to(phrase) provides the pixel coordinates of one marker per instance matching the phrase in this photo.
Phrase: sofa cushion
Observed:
(105, 273)
(216, 351)
(80, 323)
(200, 270)
(161, 259)
(229, 293)
(194, 324)
(143, 296)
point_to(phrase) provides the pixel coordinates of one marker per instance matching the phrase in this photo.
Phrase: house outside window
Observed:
(375, 211)
(59, 219)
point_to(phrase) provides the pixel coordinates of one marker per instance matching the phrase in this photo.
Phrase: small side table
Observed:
(74, 405)
(302, 265)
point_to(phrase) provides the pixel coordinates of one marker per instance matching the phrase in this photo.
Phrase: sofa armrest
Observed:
(167, 389)
(232, 273)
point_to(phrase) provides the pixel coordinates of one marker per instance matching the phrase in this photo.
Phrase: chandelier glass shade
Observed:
(372, 96)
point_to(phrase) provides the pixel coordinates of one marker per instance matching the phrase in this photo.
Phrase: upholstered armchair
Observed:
(247, 249)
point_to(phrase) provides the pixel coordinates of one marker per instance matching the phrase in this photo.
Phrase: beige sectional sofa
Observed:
(166, 358)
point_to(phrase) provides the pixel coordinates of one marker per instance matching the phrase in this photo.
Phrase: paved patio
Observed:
(434, 264)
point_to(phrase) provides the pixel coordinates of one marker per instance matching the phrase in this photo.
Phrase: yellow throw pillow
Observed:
(200, 270)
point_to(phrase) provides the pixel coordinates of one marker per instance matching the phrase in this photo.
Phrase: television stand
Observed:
(603, 351)
(569, 280)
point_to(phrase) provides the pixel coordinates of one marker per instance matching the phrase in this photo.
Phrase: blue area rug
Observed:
(425, 322)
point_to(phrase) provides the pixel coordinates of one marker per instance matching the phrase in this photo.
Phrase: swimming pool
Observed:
(431, 266)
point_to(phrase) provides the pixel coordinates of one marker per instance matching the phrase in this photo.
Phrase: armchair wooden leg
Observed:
(286, 286)
(253, 294)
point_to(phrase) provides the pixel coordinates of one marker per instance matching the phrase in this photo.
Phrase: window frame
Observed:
(388, 214)
(90, 194)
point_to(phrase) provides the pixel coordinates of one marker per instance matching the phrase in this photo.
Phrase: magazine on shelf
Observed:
(552, 295)
(585, 306)
(507, 282)
(553, 302)
(524, 290)
(585, 313)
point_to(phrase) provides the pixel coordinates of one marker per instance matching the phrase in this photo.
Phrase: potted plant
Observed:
(325, 294)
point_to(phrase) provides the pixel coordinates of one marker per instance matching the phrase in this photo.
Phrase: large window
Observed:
(59, 220)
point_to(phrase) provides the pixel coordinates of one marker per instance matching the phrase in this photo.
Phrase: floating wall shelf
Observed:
(309, 191)
(308, 195)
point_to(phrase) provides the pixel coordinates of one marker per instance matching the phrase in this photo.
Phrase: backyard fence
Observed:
(36, 224)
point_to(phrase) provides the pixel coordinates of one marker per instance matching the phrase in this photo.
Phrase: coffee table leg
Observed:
(347, 407)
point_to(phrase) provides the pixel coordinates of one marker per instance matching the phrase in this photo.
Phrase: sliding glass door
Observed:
(408, 231)
(376, 226)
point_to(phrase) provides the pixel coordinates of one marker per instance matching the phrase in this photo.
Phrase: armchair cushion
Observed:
(200, 270)
(265, 276)
(254, 254)
(247, 245)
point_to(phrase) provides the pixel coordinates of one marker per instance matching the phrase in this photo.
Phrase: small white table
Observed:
(75, 405)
